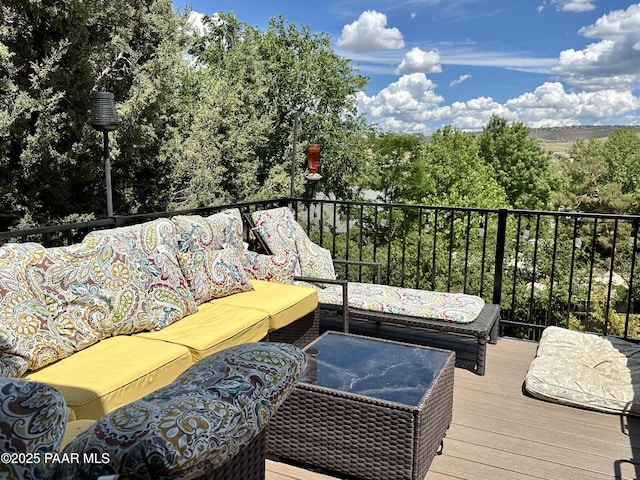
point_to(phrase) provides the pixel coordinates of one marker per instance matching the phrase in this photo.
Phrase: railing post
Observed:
(499, 258)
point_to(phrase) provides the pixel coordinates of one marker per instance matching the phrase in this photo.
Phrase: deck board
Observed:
(498, 432)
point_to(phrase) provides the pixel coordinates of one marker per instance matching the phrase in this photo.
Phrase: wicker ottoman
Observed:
(370, 408)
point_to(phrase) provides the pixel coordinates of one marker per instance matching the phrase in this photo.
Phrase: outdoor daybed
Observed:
(453, 314)
(586, 370)
(124, 312)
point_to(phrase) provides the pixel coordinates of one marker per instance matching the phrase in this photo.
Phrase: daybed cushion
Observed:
(586, 370)
(113, 372)
(277, 268)
(282, 302)
(214, 327)
(284, 235)
(449, 307)
(190, 428)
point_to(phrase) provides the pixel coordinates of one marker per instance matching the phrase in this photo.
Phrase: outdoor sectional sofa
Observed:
(208, 423)
(126, 311)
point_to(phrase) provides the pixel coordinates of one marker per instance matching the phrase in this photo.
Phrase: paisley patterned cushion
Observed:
(450, 307)
(12, 365)
(156, 236)
(107, 288)
(277, 268)
(192, 426)
(586, 370)
(60, 300)
(28, 340)
(277, 228)
(155, 244)
(283, 234)
(33, 417)
(210, 252)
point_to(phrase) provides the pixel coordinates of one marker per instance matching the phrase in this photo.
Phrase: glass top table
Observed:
(371, 367)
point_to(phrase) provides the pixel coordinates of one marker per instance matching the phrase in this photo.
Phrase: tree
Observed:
(602, 175)
(388, 169)
(519, 163)
(53, 55)
(256, 84)
(449, 172)
(588, 186)
(232, 117)
(310, 80)
(140, 59)
(622, 156)
(42, 70)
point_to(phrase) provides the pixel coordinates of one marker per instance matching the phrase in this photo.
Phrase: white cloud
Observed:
(459, 80)
(551, 105)
(402, 105)
(417, 60)
(412, 105)
(614, 61)
(196, 23)
(574, 5)
(595, 85)
(370, 33)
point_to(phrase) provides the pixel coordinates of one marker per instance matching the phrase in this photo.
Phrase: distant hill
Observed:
(571, 134)
(560, 140)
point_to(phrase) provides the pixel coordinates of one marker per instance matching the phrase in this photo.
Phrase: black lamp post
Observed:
(104, 118)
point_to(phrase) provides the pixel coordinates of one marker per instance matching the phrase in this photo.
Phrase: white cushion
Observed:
(586, 370)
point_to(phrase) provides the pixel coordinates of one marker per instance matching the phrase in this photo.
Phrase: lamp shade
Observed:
(104, 116)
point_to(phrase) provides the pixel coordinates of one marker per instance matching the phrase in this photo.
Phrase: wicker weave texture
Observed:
(362, 436)
(299, 333)
(248, 464)
(434, 419)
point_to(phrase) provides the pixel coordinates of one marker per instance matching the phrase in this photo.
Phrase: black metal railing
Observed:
(571, 269)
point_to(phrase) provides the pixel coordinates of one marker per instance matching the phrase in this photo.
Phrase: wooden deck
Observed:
(498, 433)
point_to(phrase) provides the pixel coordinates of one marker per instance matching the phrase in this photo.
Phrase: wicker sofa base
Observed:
(248, 464)
(361, 436)
(483, 330)
(299, 333)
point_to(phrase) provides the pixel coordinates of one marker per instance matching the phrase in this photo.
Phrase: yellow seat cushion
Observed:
(284, 303)
(214, 327)
(112, 373)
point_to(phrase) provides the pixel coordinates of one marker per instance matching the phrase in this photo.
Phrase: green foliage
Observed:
(309, 79)
(518, 162)
(602, 176)
(231, 121)
(212, 128)
(450, 173)
(58, 52)
(388, 166)
(251, 86)
(443, 171)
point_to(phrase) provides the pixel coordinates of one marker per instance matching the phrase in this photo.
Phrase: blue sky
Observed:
(456, 62)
